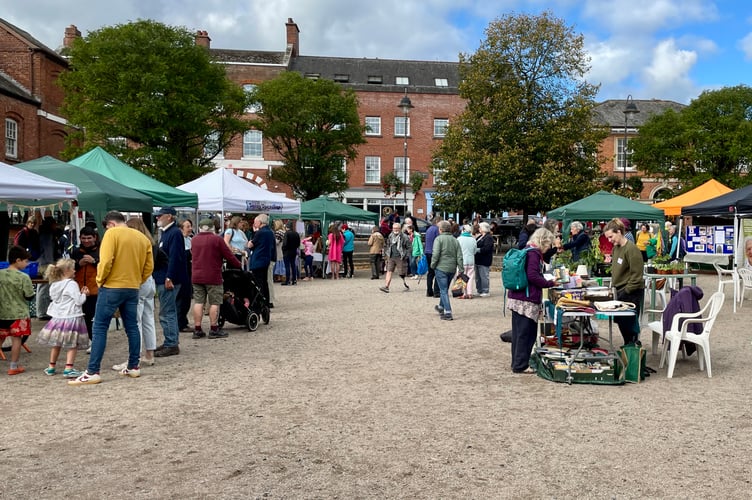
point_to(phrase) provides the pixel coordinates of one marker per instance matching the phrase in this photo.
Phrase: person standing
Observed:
(290, 247)
(264, 246)
(526, 304)
(125, 263)
(446, 262)
(432, 289)
(28, 238)
(417, 249)
(169, 279)
(626, 278)
(348, 248)
(16, 291)
(398, 248)
(209, 252)
(484, 259)
(186, 291)
(375, 249)
(469, 248)
(335, 242)
(578, 243)
(48, 248)
(86, 256)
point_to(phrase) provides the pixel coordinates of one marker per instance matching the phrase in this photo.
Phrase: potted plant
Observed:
(391, 184)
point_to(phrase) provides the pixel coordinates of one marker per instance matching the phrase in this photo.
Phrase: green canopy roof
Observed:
(100, 161)
(98, 193)
(605, 206)
(326, 209)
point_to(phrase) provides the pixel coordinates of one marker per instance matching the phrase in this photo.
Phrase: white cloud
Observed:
(647, 16)
(745, 45)
(667, 76)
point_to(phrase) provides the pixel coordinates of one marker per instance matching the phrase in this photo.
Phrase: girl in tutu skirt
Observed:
(67, 328)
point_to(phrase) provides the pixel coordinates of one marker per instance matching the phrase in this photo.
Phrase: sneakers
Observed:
(163, 351)
(217, 334)
(85, 379)
(407, 288)
(15, 371)
(484, 294)
(120, 367)
(71, 373)
(447, 317)
(50, 370)
(198, 334)
(130, 372)
(384, 289)
(438, 309)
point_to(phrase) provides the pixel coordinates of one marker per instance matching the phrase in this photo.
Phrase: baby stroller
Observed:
(244, 303)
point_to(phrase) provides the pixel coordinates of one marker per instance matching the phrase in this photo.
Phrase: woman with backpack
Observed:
(525, 303)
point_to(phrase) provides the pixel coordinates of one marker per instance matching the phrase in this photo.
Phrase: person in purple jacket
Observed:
(526, 304)
(432, 288)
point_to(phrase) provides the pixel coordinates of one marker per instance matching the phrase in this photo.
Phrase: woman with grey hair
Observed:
(484, 259)
(578, 243)
(526, 304)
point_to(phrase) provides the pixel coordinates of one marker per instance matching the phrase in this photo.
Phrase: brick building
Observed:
(29, 97)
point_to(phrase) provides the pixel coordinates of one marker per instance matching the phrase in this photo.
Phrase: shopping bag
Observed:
(422, 265)
(458, 289)
(634, 356)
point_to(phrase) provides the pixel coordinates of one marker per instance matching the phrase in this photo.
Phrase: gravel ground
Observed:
(353, 393)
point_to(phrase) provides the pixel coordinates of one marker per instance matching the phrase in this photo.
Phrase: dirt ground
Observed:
(353, 393)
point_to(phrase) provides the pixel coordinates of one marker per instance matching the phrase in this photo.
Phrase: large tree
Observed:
(525, 139)
(710, 138)
(314, 125)
(147, 93)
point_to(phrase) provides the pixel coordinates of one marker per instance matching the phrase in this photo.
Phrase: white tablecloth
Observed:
(707, 258)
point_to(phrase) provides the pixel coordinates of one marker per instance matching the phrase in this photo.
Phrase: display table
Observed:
(707, 258)
(653, 277)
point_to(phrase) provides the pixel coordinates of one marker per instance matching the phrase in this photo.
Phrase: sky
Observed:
(649, 49)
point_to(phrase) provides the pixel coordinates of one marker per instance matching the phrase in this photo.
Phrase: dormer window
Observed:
(313, 76)
(402, 80)
(441, 82)
(342, 78)
(375, 79)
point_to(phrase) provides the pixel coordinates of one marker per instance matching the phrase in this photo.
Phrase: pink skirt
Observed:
(67, 333)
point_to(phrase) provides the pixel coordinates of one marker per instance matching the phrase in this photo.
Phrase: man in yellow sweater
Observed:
(125, 262)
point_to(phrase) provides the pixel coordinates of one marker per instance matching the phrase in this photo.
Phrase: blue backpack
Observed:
(514, 269)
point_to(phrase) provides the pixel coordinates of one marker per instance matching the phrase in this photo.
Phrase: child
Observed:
(67, 328)
(308, 257)
(16, 291)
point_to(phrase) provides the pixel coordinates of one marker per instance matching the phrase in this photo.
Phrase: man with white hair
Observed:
(264, 248)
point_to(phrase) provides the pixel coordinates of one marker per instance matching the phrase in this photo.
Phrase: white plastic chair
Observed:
(727, 277)
(745, 276)
(674, 337)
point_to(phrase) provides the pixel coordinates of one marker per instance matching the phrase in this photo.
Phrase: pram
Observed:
(243, 303)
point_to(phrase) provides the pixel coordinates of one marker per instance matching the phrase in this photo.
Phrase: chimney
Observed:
(202, 39)
(71, 33)
(292, 37)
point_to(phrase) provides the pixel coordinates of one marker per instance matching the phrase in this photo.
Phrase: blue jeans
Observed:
(291, 270)
(110, 300)
(443, 280)
(482, 282)
(168, 314)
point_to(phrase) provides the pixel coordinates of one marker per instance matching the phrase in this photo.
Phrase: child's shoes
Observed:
(50, 370)
(71, 373)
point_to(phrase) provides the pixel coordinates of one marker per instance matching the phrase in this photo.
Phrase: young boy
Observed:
(16, 291)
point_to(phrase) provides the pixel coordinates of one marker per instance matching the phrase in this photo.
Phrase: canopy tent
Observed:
(100, 161)
(326, 209)
(223, 191)
(98, 194)
(603, 206)
(19, 187)
(704, 192)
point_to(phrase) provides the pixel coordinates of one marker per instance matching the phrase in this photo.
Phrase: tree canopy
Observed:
(147, 93)
(525, 139)
(315, 127)
(710, 138)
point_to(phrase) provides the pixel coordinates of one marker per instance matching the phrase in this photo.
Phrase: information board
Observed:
(710, 239)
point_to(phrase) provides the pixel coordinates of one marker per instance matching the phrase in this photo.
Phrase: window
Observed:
(440, 127)
(441, 82)
(373, 169)
(619, 157)
(438, 171)
(402, 80)
(11, 138)
(341, 78)
(253, 107)
(375, 79)
(252, 144)
(373, 125)
(402, 126)
(400, 170)
(211, 146)
(313, 76)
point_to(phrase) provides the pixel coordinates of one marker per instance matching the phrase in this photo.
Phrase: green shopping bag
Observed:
(634, 357)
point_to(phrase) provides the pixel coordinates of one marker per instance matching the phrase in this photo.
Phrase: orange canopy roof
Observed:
(707, 191)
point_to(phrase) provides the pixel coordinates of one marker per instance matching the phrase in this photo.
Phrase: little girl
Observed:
(67, 328)
(308, 253)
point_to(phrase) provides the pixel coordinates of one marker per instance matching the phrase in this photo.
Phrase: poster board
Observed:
(710, 240)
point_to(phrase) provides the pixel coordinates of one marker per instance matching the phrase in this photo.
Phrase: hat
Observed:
(626, 222)
(206, 225)
(166, 211)
(345, 226)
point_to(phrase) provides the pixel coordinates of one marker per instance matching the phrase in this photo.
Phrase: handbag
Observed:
(634, 357)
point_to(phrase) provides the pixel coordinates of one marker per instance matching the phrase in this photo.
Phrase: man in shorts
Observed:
(398, 248)
(209, 251)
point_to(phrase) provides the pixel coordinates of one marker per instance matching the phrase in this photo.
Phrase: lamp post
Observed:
(630, 108)
(405, 105)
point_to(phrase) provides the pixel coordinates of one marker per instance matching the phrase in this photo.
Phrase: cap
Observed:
(206, 225)
(166, 211)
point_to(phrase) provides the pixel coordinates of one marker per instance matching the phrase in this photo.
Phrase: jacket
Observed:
(173, 244)
(578, 244)
(349, 236)
(484, 257)
(447, 254)
(535, 280)
(685, 300)
(209, 251)
(67, 299)
(290, 244)
(469, 248)
(264, 248)
(431, 233)
(86, 275)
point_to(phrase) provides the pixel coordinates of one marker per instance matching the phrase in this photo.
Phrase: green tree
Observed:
(525, 139)
(314, 125)
(710, 138)
(145, 92)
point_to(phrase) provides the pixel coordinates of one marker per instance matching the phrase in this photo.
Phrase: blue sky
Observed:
(659, 49)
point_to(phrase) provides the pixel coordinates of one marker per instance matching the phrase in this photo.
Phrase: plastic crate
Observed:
(4, 264)
(32, 269)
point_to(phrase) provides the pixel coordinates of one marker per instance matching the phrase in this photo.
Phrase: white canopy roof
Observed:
(223, 191)
(20, 187)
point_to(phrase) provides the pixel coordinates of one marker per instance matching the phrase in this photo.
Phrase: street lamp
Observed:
(405, 105)
(629, 109)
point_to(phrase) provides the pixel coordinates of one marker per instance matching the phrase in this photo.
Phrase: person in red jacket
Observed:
(208, 252)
